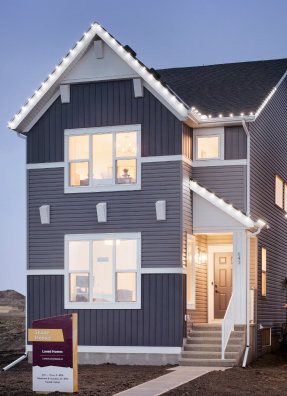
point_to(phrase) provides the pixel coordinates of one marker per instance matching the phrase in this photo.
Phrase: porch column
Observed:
(239, 275)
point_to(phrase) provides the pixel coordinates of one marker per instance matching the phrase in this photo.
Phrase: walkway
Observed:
(179, 375)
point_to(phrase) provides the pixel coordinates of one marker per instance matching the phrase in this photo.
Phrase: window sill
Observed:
(218, 162)
(88, 305)
(190, 306)
(87, 189)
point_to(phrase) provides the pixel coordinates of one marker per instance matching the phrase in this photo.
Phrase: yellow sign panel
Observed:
(45, 335)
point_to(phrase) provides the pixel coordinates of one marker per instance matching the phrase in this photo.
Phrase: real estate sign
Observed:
(55, 360)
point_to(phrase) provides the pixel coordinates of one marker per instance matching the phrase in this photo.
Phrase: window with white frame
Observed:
(278, 191)
(209, 144)
(102, 159)
(102, 271)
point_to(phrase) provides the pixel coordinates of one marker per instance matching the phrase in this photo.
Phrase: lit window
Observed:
(285, 197)
(207, 147)
(279, 191)
(102, 272)
(263, 271)
(100, 159)
(190, 273)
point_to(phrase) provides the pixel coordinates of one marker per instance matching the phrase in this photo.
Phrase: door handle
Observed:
(215, 286)
(216, 291)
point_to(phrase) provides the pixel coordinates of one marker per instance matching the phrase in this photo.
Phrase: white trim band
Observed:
(165, 270)
(45, 165)
(46, 272)
(124, 349)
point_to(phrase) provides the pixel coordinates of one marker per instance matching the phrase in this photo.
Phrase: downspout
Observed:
(248, 168)
(248, 295)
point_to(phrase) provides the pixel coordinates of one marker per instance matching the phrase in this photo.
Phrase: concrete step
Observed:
(207, 355)
(211, 340)
(203, 334)
(210, 347)
(207, 362)
(206, 327)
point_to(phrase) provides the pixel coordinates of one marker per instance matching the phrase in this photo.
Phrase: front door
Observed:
(222, 283)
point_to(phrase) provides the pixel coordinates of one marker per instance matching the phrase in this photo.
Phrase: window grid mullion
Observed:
(90, 269)
(114, 271)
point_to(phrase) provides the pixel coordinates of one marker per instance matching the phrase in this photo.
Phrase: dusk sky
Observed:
(36, 34)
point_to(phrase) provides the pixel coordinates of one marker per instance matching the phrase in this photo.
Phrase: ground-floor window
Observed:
(102, 270)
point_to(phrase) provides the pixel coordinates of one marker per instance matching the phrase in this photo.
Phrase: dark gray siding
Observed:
(229, 182)
(187, 141)
(128, 211)
(157, 323)
(235, 143)
(268, 150)
(103, 104)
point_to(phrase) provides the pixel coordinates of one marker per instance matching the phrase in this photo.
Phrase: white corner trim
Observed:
(164, 270)
(42, 111)
(45, 165)
(45, 272)
(123, 349)
(206, 163)
(65, 93)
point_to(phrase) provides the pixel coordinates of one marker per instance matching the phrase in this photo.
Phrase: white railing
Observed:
(227, 324)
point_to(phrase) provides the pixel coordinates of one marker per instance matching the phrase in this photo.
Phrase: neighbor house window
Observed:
(102, 159)
(279, 191)
(285, 197)
(263, 271)
(102, 270)
(190, 273)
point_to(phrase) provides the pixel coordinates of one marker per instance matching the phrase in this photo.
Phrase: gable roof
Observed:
(46, 92)
(226, 207)
(227, 88)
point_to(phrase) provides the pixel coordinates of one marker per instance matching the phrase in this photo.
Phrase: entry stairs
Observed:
(203, 346)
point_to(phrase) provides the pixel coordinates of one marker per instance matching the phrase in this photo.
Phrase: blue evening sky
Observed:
(36, 34)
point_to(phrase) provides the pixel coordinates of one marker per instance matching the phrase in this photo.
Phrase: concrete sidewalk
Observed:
(178, 376)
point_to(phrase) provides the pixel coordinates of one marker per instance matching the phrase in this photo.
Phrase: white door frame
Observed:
(210, 277)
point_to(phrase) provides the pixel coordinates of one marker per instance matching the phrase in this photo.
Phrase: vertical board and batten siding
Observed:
(104, 104)
(235, 143)
(157, 323)
(228, 182)
(127, 211)
(268, 152)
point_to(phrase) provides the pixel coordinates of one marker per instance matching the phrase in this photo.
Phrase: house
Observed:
(156, 205)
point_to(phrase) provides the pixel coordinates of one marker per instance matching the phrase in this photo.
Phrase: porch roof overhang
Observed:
(246, 221)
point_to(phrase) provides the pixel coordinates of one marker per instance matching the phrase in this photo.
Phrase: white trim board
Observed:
(156, 270)
(207, 163)
(45, 165)
(210, 275)
(124, 349)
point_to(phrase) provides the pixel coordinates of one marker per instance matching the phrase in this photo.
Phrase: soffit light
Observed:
(227, 208)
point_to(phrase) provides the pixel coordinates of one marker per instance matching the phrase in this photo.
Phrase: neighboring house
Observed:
(156, 205)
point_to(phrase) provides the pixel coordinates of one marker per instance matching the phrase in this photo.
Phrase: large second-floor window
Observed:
(100, 159)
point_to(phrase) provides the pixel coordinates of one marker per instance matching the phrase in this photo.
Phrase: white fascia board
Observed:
(54, 79)
(246, 221)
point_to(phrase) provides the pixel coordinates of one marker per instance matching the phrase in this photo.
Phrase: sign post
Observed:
(55, 359)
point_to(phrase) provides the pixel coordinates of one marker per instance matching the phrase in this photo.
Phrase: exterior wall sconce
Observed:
(45, 214)
(160, 208)
(102, 212)
(200, 257)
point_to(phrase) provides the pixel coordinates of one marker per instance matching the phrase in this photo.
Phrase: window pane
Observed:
(103, 158)
(279, 191)
(79, 287)
(263, 283)
(79, 174)
(103, 271)
(78, 147)
(79, 255)
(126, 286)
(207, 147)
(126, 254)
(285, 197)
(126, 144)
(126, 171)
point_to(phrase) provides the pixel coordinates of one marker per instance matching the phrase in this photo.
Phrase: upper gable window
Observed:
(102, 159)
(209, 144)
